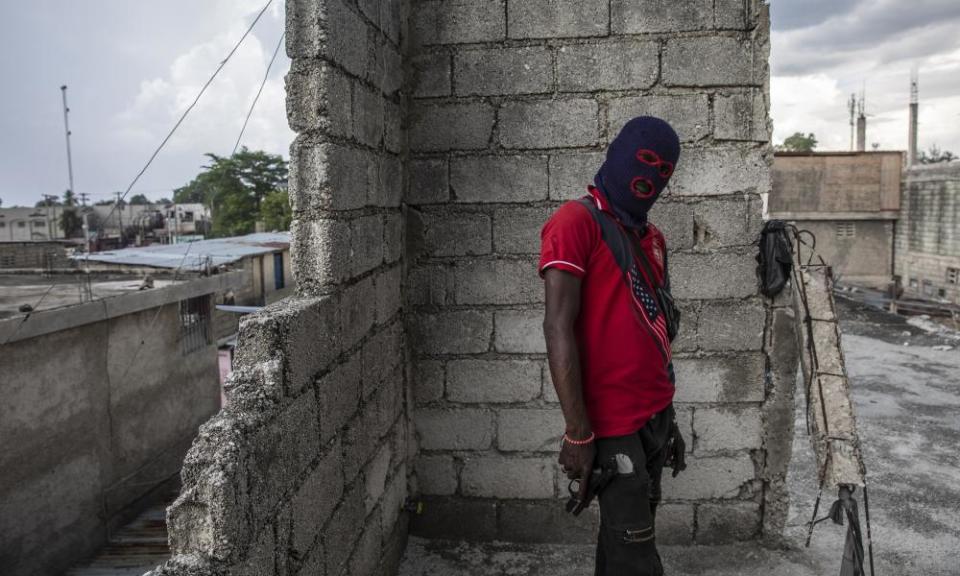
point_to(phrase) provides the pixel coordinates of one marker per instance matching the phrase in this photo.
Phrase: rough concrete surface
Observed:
(906, 399)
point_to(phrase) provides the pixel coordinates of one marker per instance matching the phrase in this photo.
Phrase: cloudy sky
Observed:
(132, 67)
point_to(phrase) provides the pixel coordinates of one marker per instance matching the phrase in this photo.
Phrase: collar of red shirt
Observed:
(604, 205)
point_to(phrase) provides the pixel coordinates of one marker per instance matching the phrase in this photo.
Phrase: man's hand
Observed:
(577, 463)
(676, 451)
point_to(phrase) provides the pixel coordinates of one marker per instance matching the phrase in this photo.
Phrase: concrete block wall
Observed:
(512, 105)
(305, 470)
(928, 232)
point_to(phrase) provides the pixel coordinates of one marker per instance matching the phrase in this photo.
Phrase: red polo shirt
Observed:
(624, 375)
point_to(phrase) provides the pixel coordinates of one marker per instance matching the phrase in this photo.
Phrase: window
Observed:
(39, 223)
(928, 288)
(187, 217)
(942, 293)
(21, 224)
(3, 224)
(914, 283)
(953, 275)
(194, 324)
(846, 229)
(278, 280)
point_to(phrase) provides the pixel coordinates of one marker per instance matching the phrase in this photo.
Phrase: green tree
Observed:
(234, 189)
(275, 211)
(797, 142)
(935, 155)
(139, 200)
(69, 198)
(71, 223)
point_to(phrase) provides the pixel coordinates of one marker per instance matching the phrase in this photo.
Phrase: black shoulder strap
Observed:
(612, 236)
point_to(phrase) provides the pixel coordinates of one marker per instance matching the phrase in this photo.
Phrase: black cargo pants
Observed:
(628, 505)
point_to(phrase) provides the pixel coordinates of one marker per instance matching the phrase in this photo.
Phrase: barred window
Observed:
(194, 324)
(846, 229)
(953, 275)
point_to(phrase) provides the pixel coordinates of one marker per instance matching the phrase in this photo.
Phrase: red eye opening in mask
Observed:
(641, 187)
(651, 158)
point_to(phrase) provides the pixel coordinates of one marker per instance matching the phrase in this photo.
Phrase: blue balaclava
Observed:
(639, 163)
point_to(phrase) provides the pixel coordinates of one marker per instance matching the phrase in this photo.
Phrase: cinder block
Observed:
(429, 285)
(315, 500)
(732, 14)
(303, 33)
(499, 178)
(689, 114)
(382, 355)
(368, 116)
(708, 61)
(710, 478)
(493, 380)
(390, 19)
(728, 221)
(456, 233)
(442, 517)
(349, 46)
(388, 293)
(533, 430)
(436, 475)
(356, 313)
(498, 282)
(728, 522)
(516, 230)
(385, 173)
(720, 379)
(535, 521)
(339, 396)
(674, 523)
(732, 325)
(459, 332)
(431, 74)
(713, 275)
(741, 117)
(366, 554)
(328, 177)
(320, 253)
(714, 171)
(319, 97)
(466, 429)
(686, 339)
(496, 71)
(428, 182)
(366, 243)
(375, 477)
(279, 453)
(520, 332)
(612, 65)
(393, 237)
(458, 21)
(675, 220)
(503, 477)
(643, 16)
(343, 530)
(428, 381)
(549, 391)
(571, 173)
(453, 126)
(728, 428)
(548, 123)
(394, 498)
(558, 18)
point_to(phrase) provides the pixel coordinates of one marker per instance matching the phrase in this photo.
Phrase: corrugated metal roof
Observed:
(195, 255)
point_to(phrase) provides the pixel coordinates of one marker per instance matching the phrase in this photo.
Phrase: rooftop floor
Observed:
(907, 395)
(59, 290)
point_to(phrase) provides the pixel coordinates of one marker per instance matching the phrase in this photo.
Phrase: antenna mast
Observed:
(914, 111)
(66, 128)
(852, 106)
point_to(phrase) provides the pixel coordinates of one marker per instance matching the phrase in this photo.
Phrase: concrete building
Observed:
(35, 255)
(30, 224)
(100, 402)
(433, 140)
(850, 201)
(928, 232)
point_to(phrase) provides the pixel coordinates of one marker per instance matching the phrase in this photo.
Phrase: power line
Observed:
(153, 156)
(260, 91)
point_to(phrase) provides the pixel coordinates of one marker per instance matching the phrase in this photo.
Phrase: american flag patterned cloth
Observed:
(648, 302)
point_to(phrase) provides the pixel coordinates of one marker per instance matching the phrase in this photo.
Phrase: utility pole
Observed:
(852, 105)
(48, 201)
(120, 215)
(914, 112)
(66, 128)
(83, 199)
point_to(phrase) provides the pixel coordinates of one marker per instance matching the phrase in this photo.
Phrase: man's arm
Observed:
(562, 309)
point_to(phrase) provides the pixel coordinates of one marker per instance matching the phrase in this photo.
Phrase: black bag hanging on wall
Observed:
(775, 259)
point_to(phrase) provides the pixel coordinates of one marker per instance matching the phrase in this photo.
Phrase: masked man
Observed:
(608, 328)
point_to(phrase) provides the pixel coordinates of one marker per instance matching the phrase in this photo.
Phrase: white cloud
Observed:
(215, 122)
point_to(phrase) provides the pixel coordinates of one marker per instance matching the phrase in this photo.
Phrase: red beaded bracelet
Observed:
(586, 440)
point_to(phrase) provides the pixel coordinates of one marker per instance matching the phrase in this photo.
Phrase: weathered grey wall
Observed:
(865, 258)
(928, 232)
(305, 469)
(91, 421)
(513, 103)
